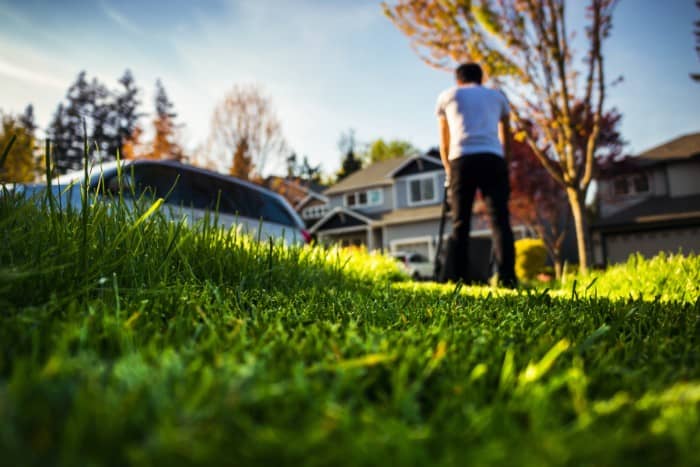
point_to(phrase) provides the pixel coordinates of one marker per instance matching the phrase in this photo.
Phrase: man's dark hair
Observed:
(469, 73)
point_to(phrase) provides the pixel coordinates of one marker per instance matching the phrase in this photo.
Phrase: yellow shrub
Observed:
(530, 257)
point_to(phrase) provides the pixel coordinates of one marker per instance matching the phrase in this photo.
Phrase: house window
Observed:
(350, 199)
(375, 197)
(364, 198)
(641, 183)
(421, 190)
(631, 185)
(315, 212)
(620, 186)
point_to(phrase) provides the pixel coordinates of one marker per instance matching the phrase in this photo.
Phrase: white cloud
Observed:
(20, 73)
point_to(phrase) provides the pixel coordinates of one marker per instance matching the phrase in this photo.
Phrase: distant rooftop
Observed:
(372, 175)
(683, 147)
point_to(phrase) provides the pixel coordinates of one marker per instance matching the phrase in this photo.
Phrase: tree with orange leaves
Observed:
(524, 45)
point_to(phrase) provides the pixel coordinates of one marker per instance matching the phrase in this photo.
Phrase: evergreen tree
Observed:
(88, 101)
(165, 144)
(292, 166)
(126, 115)
(350, 163)
(26, 120)
(101, 119)
(65, 129)
(309, 173)
(110, 118)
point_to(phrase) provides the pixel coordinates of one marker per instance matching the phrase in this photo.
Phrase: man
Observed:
(475, 150)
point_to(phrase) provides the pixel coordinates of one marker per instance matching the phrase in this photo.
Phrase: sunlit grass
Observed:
(173, 344)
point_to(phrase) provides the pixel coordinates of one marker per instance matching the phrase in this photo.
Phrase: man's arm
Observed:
(504, 134)
(444, 144)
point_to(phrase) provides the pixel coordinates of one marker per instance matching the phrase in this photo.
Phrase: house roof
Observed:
(307, 201)
(653, 210)
(418, 162)
(373, 175)
(683, 147)
(341, 217)
(402, 216)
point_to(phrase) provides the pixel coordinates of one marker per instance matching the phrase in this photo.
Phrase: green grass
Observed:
(128, 339)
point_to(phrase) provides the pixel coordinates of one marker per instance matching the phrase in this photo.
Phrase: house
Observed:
(301, 194)
(650, 203)
(390, 206)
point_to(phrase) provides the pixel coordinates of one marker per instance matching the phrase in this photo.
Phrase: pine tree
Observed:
(350, 163)
(100, 115)
(310, 174)
(110, 118)
(85, 101)
(292, 166)
(26, 120)
(165, 144)
(126, 114)
(65, 130)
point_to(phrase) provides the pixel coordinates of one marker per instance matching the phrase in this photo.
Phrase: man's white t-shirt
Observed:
(473, 113)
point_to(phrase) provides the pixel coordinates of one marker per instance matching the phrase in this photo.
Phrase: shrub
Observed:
(530, 258)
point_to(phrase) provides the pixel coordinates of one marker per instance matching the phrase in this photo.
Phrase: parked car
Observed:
(416, 265)
(189, 192)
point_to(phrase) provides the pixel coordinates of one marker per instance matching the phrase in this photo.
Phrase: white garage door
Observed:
(422, 247)
(621, 246)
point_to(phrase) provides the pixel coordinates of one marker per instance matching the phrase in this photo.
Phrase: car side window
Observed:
(208, 192)
(273, 210)
(161, 182)
(242, 200)
(418, 258)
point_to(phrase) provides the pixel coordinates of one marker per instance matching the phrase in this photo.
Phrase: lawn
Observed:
(128, 339)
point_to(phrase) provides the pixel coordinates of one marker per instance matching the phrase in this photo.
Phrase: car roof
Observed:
(78, 175)
(108, 166)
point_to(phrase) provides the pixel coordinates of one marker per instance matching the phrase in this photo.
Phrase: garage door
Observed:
(621, 246)
(421, 247)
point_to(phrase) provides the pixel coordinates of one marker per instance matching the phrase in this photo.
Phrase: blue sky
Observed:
(327, 65)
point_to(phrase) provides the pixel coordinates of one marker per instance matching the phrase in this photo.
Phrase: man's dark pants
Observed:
(488, 173)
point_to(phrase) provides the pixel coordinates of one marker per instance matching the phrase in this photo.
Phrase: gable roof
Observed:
(348, 218)
(683, 147)
(310, 197)
(372, 175)
(417, 163)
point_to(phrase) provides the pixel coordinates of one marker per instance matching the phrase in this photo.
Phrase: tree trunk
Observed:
(576, 201)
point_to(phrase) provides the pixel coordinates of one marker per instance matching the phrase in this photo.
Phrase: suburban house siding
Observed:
(401, 194)
(664, 218)
(684, 179)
